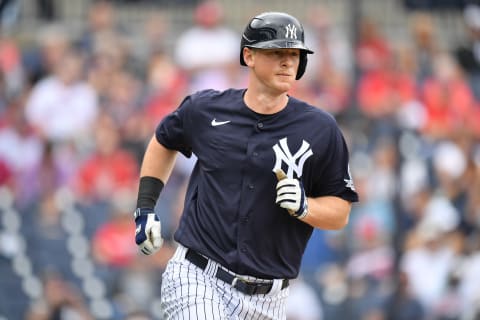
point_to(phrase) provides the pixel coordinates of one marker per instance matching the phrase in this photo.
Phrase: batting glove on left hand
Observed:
(291, 196)
(148, 231)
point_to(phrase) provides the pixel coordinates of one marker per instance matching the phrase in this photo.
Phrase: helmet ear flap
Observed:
(302, 65)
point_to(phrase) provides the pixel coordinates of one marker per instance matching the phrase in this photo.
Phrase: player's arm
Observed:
(157, 166)
(329, 213)
(158, 161)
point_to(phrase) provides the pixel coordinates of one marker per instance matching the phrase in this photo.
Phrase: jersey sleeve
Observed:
(172, 132)
(336, 179)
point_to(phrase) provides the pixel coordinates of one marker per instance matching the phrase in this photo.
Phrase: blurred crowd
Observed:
(77, 111)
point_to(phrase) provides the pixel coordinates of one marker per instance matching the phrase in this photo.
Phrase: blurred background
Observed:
(84, 83)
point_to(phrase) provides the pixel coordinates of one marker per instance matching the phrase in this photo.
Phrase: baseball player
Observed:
(270, 168)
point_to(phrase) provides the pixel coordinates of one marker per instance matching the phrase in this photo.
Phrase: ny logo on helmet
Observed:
(294, 162)
(291, 31)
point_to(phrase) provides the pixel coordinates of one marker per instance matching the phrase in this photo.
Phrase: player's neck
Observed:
(265, 103)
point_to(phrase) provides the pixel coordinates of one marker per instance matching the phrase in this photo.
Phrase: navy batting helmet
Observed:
(273, 30)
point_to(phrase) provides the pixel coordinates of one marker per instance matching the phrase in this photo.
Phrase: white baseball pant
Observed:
(188, 292)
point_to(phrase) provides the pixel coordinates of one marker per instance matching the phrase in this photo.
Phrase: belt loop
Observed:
(180, 252)
(211, 268)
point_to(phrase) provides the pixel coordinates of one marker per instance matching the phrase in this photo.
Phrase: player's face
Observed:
(276, 68)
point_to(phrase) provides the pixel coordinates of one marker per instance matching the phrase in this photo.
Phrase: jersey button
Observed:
(251, 186)
(260, 125)
(255, 154)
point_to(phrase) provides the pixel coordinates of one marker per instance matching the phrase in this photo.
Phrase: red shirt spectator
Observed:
(448, 99)
(109, 168)
(112, 243)
(383, 90)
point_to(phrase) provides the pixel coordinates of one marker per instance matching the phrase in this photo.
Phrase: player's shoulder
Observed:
(212, 94)
(311, 112)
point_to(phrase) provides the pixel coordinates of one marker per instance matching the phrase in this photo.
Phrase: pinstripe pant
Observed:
(191, 293)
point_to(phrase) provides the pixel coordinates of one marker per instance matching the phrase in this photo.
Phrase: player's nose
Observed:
(288, 60)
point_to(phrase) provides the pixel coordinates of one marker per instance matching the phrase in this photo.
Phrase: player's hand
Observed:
(291, 195)
(148, 231)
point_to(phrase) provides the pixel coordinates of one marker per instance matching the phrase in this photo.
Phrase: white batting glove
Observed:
(291, 196)
(148, 235)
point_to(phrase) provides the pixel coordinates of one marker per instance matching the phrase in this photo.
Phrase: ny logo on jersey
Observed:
(294, 162)
(291, 31)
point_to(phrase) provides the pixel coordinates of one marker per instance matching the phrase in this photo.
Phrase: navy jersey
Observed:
(230, 213)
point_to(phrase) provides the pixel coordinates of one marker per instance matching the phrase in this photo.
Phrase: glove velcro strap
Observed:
(302, 213)
(142, 211)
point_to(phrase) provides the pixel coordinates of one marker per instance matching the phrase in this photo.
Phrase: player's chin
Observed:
(283, 86)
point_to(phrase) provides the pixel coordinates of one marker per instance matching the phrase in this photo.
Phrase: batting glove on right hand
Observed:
(148, 231)
(291, 196)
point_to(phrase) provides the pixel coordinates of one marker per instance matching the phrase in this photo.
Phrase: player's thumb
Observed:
(280, 174)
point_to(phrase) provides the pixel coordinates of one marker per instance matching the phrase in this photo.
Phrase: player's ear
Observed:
(248, 56)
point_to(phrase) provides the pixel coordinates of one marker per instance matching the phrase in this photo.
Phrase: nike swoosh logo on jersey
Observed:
(218, 123)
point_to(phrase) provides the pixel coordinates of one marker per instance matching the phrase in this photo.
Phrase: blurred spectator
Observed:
(453, 174)
(324, 249)
(9, 12)
(136, 286)
(60, 301)
(331, 65)
(135, 131)
(402, 304)
(467, 53)
(155, 36)
(20, 148)
(335, 291)
(11, 70)
(62, 106)
(122, 97)
(108, 168)
(331, 43)
(166, 85)
(425, 44)
(209, 50)
(5, 174)
(303, 303)
(447, 98)
(45, 229)
(51, 172)
(428, 263)
(109, 57)
(473, 201)
(371, 260)
(112, 243)
(387, 85)
(372, 49)
(43, 57)
(469, 280)
(373, 222)
(450, 304)
(47, 10)
(100, 22)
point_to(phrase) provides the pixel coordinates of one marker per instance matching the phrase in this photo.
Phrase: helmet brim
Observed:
(280, 44)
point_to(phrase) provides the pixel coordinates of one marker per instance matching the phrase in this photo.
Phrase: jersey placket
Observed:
(248, 189)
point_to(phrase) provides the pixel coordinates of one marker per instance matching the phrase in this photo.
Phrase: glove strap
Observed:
(303, 211)
(141, 211)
